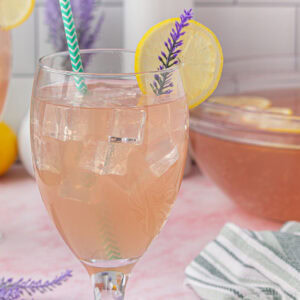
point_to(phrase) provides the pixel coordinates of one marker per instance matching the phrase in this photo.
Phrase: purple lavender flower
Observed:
(83, 12)
(56, 33)
(162, 83)
(10, 290)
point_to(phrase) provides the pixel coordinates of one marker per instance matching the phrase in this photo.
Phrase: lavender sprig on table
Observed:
(84, 15)
(162, 83)
(13, 290)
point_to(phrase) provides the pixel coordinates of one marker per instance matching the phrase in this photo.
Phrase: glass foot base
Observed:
(109, 285)
(109, 277)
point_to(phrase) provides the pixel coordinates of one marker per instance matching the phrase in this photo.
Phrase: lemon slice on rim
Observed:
(201, 55)
(14, 12)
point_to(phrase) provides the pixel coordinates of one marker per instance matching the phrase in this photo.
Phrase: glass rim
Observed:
(44, 66)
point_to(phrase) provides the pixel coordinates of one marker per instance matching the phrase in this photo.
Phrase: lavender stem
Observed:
(162, 82)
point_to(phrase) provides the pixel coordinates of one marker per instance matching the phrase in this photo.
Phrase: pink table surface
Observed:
(33, 248)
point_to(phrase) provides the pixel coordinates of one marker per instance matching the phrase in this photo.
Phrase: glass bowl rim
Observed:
(234, 110)
(228, 75)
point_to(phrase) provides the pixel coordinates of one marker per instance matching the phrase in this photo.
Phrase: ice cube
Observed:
(110, 156)
(106, 158)
(179, 116)
(46, 155)
(161, 156)
(179, 121)
(127, 126)
(110, 93)
(158, 123)
(65, 123)
(78, 185)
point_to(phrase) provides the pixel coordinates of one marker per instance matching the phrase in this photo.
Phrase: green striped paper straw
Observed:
(111, 249)
(72, 41)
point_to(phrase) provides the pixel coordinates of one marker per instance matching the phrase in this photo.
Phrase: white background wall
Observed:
(244, 27)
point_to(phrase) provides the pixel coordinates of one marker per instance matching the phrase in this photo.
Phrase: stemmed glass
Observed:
(108, 163)
(5, 67)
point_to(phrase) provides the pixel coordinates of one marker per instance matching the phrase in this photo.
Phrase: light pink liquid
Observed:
(5, 54)
(257, 169)
(108, 199)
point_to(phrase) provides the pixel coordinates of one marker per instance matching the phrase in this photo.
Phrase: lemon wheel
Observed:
(8, 148)
(201, 57)
(14, 12)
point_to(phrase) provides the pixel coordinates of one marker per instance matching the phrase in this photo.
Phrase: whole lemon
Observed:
(8, 147)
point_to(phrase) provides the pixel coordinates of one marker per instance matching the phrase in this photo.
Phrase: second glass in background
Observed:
(5, 66)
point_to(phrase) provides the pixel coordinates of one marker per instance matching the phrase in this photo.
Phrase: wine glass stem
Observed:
(109, 285)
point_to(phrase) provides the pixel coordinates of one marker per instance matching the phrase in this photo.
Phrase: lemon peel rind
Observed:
(22, 20)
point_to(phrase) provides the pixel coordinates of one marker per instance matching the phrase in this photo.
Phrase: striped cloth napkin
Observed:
(244, 264)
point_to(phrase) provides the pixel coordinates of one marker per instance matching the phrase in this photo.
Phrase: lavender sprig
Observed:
(13, 290)
(84, 14)
(162, 83)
